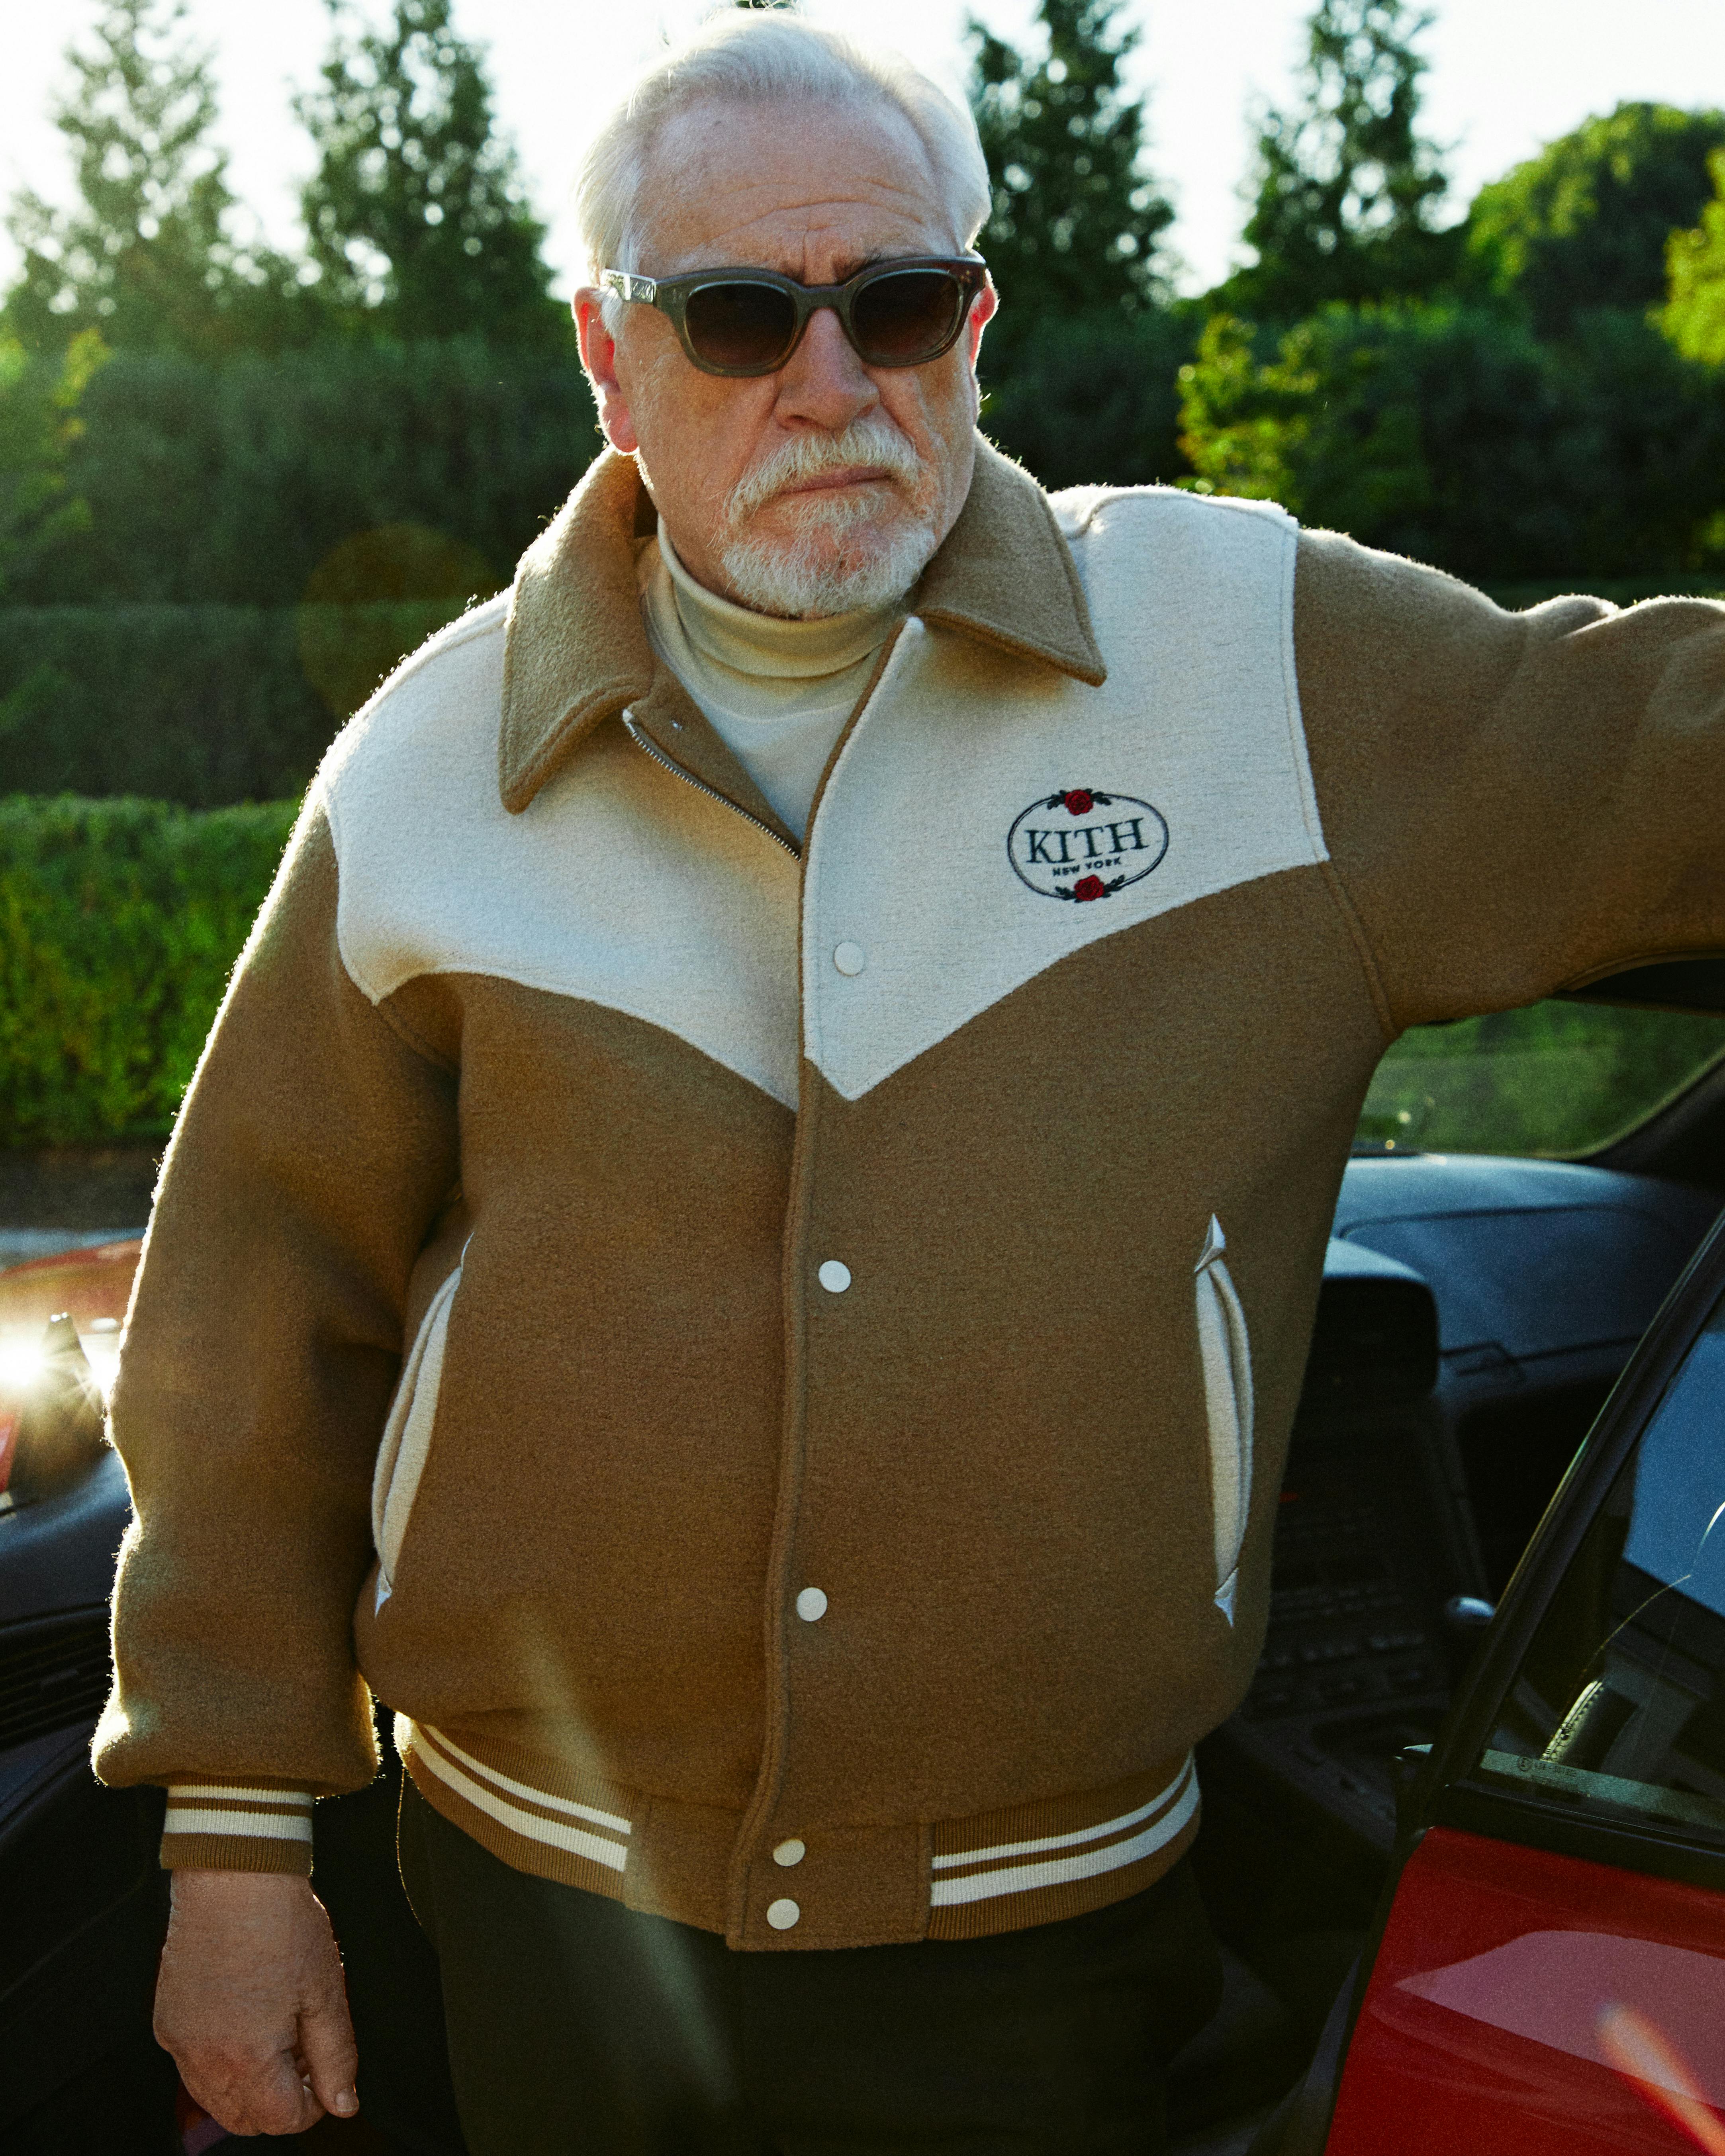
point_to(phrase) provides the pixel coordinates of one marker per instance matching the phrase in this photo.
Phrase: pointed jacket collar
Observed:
(577, 651)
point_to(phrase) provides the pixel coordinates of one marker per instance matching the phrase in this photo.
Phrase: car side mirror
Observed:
(53, 1430)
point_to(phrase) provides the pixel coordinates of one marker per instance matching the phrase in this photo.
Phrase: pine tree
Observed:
(1346, 186)
(1076, 224)
(416, 215)
(149, 256)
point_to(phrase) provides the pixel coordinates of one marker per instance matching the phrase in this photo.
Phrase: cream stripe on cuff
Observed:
(245, 1826)
(231, 1792)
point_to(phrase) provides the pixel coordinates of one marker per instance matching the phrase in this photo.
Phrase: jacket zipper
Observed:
(700, 786)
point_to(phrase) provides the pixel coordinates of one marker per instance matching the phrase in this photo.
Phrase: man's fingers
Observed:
(326, 2046)
(250, 2096)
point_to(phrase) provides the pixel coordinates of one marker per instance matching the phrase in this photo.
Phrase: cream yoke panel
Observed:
(620, 884)
(918, 915)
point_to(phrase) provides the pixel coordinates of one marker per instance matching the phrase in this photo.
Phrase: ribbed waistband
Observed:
(847, 1886)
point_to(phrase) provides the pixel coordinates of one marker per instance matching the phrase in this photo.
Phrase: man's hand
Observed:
(251, 2003)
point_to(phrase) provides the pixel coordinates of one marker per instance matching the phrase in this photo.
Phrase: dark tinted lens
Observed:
(738, 325)
(907, 315)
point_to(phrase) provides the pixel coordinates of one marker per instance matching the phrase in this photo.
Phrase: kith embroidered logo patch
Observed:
(1081, 844)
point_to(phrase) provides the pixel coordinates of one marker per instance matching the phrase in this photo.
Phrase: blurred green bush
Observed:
(1451, 433)
(232, 485)
(199, 705)
(1093, 400)
(120, 923)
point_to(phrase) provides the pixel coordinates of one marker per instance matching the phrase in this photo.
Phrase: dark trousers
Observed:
(576, 2025)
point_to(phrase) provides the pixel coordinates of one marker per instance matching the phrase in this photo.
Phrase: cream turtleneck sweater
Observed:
(777, 692)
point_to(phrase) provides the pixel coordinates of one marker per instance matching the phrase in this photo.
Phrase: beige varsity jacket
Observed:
(778, 1369)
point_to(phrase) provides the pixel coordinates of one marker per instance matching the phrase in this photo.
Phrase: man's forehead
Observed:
(814, 191)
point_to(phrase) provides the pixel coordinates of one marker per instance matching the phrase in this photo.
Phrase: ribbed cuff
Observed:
(232, 1826)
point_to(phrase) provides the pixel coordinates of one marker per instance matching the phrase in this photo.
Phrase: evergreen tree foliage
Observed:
(230, 485)
(1347, 187)
(1094, 399)
(1694, 320)
(149, 257)
(1076, 224)
(1584, 225)
(416, 215)
(1079, 367)
(38, 424)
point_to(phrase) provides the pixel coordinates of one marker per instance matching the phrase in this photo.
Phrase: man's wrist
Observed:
(195, 1887)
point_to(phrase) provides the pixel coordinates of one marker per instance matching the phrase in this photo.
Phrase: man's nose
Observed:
(824, 383)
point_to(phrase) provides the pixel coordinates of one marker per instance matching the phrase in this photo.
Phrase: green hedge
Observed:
(1452, 434)
(120, 922)
(210, 705)
(203, 706)
(232, 485)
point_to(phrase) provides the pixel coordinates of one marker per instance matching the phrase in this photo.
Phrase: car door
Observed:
(1549, 1971)
(82, 1899)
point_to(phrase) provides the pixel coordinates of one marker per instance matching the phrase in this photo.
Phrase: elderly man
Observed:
(742, 1250)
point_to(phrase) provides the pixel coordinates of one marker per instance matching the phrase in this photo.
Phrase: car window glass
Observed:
(1554, 1078)
(1620, 1705)
(1680, 1484)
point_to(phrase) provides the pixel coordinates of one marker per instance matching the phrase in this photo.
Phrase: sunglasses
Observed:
(902, 313)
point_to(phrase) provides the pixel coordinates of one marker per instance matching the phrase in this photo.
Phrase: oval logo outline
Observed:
(1067, 853)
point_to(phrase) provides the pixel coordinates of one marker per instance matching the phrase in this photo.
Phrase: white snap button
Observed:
(834, 1276)
(781, 1915)
(850, 957)
(790, 1852)
(811, 1605)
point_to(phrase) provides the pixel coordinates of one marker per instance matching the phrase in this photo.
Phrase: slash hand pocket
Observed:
(1226, 1354)
(406, 1436)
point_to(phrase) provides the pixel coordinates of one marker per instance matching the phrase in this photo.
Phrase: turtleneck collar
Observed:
(750, 643)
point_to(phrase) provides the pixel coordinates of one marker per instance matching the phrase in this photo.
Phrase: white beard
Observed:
(807, 577)
(841, 559)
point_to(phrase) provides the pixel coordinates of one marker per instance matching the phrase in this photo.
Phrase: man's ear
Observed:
(598, 358)
(981, 313)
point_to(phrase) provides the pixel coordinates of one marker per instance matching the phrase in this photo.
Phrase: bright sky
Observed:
(1506, 75)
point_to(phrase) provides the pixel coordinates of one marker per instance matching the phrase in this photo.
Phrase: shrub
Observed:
(234, 484)
(1452, 434)
(1093, 401)
(120, 923)
(202, 705)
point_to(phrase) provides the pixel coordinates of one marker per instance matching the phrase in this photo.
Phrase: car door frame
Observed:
(1438, 1793)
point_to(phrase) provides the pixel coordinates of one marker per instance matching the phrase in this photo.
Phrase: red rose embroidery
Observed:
(1079, 803)
(1090, 886)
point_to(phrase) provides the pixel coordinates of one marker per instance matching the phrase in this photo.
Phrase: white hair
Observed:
(755, 57)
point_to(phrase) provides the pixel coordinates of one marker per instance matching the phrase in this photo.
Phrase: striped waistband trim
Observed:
(1105, 1847)
(601, 1836)
(596, 1834)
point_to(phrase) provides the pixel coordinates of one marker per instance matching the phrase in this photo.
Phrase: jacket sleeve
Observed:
(314, 1150)
(1513, 803)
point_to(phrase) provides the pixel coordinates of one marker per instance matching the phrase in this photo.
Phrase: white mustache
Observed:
(867, 442)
